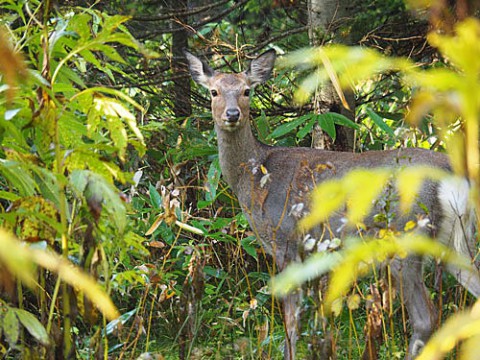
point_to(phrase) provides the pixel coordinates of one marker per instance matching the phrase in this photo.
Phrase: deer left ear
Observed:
(260, 68)
(199, 70)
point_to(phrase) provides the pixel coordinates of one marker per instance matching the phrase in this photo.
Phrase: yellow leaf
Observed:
(358, 189)
(353, 302)
(190, 228)
(459, 327)
(364, 187)
(20, 261)
(409, 226)
(336, 306)
(409, 181)
(352, 261)
(12, 66)
(75, 277)
(326, 199)
(155, 224)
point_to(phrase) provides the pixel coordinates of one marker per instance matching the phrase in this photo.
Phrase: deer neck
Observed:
(236, 150)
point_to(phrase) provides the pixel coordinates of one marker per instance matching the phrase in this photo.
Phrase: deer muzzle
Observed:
(232, 116)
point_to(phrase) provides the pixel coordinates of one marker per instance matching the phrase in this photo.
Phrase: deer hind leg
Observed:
(291, 311)
(422, 314)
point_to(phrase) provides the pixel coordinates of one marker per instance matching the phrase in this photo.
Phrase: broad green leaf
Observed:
(90, 57)
(262, 126)
(11, 327)
(121, 320)
(379, 122)
(100, 190)
(84, 159)
(34, 327)
(155, 198)
(288, 127)
(247, 245)
(111, 53)
(307, 128)
(326, 122)
(343, 120)
(118, 134)
(213, 178)
(18, 177)
(7, 195)
(79, 181)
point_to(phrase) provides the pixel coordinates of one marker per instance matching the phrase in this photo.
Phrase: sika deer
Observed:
(273, 185)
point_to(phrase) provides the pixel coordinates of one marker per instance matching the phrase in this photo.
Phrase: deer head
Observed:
(230, 93)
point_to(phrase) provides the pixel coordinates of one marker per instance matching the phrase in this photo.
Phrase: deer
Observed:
(273, 186)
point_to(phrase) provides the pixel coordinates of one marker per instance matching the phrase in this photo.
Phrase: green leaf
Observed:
(249, 247)
(213, 177)
(262, 126)
(155, 198)
(121, 320)
(307, 128)
(8, 195)
(344, 121)
(18, 177)
(378, 120)
(327, 123)
(99, 189)
(11, 327)
(34, 327)
(111, 53)
(118, 134)
(288, 127)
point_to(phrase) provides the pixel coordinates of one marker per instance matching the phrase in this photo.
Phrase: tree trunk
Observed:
(326, 18)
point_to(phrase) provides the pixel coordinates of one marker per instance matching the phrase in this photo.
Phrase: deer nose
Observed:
(232, 115)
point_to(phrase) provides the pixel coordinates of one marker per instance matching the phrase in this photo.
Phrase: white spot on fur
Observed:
(417, 347)
(296, 210)
(308, 242)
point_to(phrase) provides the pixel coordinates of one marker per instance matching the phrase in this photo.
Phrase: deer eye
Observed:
(246, 92)
(214, 93)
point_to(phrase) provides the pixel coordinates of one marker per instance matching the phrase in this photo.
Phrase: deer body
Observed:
(273, 186)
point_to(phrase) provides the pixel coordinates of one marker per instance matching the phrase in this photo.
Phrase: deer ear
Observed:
(199, 70)
(261, 67)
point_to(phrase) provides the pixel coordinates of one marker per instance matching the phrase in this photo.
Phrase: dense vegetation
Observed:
(108, 168)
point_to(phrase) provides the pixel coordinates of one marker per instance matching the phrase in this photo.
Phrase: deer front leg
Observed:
(422, 314)
(291, 311)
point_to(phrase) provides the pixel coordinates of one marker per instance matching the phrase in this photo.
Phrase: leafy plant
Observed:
(61, 139)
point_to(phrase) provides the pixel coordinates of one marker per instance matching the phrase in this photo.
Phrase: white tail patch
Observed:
(457, 228)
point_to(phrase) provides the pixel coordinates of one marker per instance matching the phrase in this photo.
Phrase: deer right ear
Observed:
(260, 68)
(199, 70)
